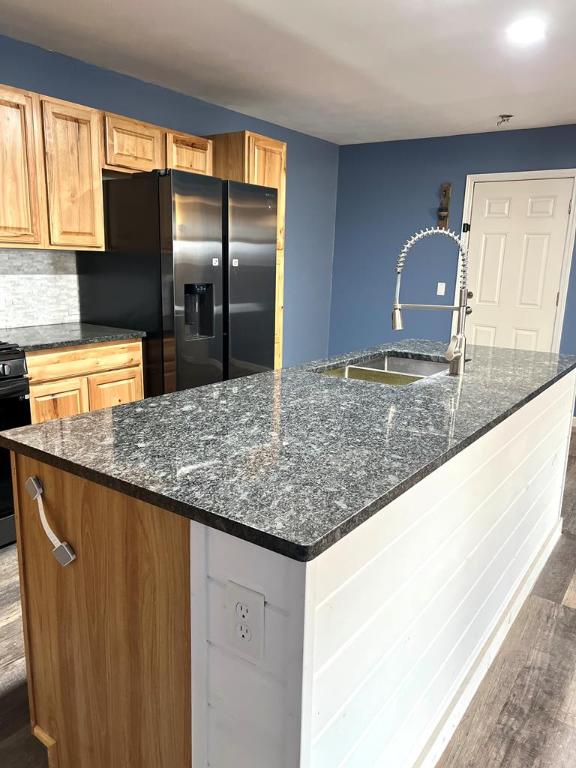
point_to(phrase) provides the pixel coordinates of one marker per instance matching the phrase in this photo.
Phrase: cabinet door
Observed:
(115, 388)
(58, 399)
(266, 161)
(133, 145)
(108, 637)
(19, 183)
(71, 148)
(189, 153)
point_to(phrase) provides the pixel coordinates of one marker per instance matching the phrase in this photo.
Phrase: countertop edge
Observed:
(101, 339)
(189, 511)
(277, 544)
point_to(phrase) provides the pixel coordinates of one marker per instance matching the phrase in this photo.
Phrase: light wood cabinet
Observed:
(73, 175)
(114, 388)
(20, 175)
(133, 145)
(58, 399)
(72, 380)
(188, 153)
(266, 165)
(108, 637)
(51, 157)
(250, 157)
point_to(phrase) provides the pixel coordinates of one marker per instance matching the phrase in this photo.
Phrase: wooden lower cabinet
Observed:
(72, 380)
(58, 399)
(107, 637)
(114, 388)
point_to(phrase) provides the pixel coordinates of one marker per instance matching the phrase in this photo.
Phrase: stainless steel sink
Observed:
(388, 369)
(407, 365)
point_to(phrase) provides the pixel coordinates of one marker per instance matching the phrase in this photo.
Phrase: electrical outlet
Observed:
(441, 289)
(245, 620)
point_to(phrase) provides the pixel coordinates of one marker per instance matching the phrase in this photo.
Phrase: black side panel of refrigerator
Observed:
(196, 284)
(121, 286)
(250, 245)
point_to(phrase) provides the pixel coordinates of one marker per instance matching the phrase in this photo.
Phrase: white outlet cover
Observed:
(245, 621)
(441, 289)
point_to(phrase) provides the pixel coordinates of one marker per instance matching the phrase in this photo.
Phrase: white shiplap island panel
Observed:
(374, 648)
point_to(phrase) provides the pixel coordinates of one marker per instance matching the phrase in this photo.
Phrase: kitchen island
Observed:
(290, 569)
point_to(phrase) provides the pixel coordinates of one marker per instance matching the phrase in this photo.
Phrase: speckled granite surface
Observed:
(293, 460)
(34, 337)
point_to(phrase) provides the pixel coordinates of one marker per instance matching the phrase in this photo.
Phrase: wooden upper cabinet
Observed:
(132, 145)
(266, 165)
(19, 173)
(185, 152)
(73, 174)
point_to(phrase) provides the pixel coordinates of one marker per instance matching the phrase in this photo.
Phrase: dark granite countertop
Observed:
(293, 460)
(34, 337)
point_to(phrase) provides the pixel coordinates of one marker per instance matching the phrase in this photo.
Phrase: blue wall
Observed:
(387, 191)
(312, 172)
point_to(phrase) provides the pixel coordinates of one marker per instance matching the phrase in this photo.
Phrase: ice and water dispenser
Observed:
(199, 310)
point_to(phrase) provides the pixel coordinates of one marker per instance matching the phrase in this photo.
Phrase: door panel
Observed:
(114, 388)
(58, 399)
(533, 270)
(19, 183)
(489, 280)
(71, 142)
(518, 232)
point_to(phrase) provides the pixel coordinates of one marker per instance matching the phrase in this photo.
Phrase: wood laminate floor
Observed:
(523, 715)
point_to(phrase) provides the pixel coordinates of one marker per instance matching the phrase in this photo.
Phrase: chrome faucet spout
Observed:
(456, 352)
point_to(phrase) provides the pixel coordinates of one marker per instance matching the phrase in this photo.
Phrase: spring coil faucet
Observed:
(456, 352)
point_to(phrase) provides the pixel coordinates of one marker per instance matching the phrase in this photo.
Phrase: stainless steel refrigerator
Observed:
(191, 260)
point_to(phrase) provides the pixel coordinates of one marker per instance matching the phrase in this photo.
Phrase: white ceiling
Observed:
(345, 70)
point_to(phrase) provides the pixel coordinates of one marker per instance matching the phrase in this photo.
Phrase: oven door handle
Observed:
(62, 551)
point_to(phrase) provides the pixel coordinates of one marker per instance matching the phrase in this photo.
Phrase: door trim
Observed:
(561, 173)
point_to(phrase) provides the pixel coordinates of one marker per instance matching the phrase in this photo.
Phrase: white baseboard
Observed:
(455, 712)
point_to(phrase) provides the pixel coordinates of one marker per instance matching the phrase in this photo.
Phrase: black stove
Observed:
(14, 412)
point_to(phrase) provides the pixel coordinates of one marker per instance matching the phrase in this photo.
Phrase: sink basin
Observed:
(371, 374)
(407, 365)
(388, 369)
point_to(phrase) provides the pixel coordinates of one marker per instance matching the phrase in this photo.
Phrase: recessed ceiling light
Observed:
(527, 30)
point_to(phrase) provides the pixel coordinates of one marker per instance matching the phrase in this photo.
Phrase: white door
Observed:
(516, 248)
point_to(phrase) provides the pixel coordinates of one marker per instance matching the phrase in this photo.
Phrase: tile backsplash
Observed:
(38, 288)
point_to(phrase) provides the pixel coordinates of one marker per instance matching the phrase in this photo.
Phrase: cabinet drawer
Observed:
(115, 388)
(53, 364)
(133, 145)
